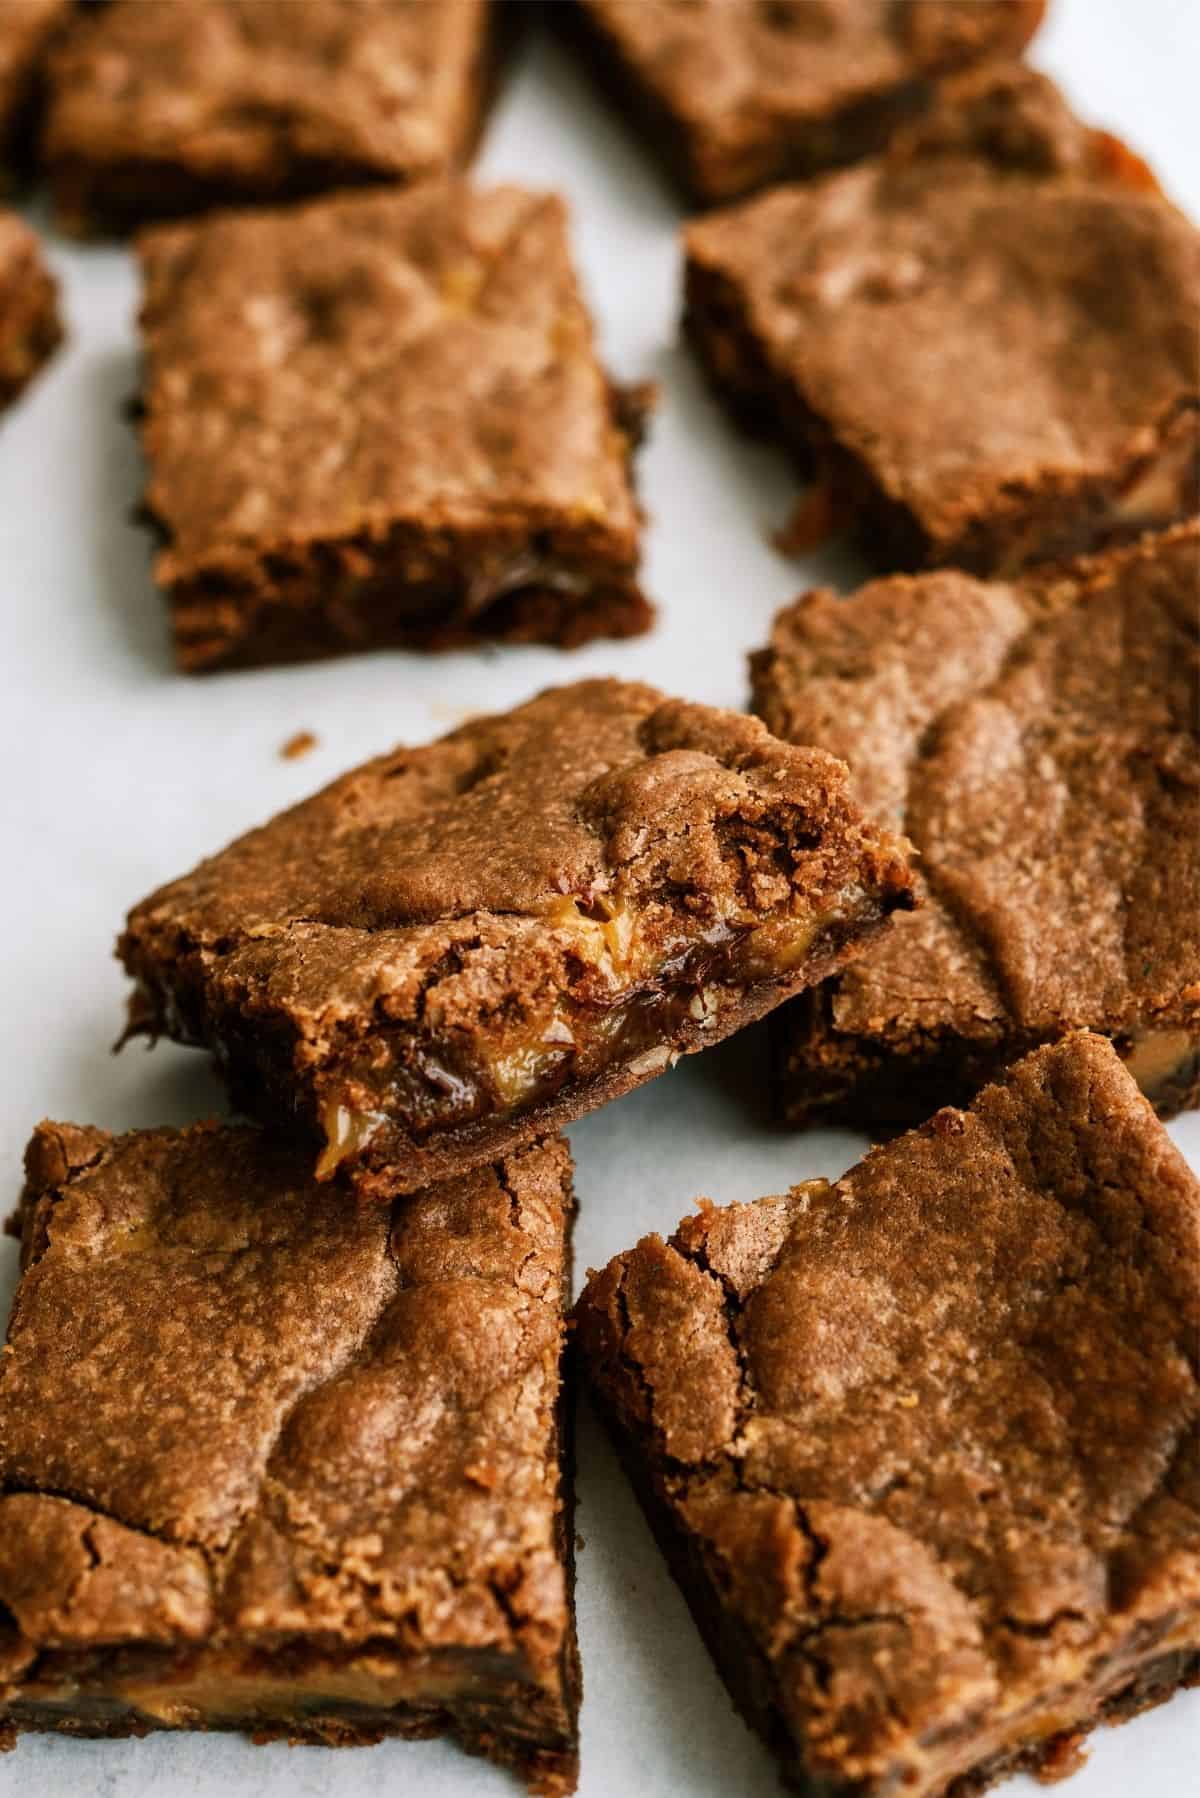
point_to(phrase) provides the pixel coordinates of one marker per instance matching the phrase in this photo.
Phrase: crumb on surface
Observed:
(299, 744)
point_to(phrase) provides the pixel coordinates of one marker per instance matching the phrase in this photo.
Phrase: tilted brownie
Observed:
(30, 327)
(27, 28)
(159, 109)
(736, 95)
(983, 343)
(455, 948)
(922, 1447)
(380, 419)
(275, 1465)
(1039, 742)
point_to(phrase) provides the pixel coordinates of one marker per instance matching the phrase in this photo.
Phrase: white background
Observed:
(119, 773)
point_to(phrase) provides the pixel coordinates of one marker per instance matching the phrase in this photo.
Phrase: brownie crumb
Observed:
(301, 743)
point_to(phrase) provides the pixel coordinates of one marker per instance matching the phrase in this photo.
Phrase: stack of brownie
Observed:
(285, 1430)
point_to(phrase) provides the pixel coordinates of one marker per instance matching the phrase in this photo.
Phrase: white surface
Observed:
(119, 773)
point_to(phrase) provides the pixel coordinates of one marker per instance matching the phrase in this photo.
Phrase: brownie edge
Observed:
(30, 323)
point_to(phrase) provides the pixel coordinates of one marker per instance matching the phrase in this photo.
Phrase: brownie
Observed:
(380, 419)
(27, 28)
(982, 343)
(454, 948)
(158, 109)
(275, 1465)
(737, 95)
(1039, 742)
(30, 327)
(923, 1447)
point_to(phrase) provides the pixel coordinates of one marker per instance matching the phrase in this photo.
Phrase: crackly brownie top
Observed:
(237, 87)
(484, 864)
(1038, 742)
(935, 1429)
(230, 1408)
(729, 68)
(1024, 297)
(422, 356)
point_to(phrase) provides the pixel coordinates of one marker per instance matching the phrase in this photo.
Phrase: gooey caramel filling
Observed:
(644, 998)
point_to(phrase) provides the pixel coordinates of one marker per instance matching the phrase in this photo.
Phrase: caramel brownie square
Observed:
(984, 343)
(455, 948)
(1039, 742)
(380, 419)
(30, 327)
(27, 28)
(923, 1447)
(738, 93)
(274, 1465)
(158, 109)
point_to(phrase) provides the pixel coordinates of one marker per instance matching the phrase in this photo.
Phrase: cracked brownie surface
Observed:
(30, 327)
(1026, 300)
(159, 109)
(454, 946)
(273, 1464)
(381, 419)
(1038, 741)
(922, 1445)
(739, 95)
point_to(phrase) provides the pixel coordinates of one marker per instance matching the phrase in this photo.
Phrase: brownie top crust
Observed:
(231, 1411)
(742, 76)
(1024, 295)
(1038, 741)
(421, 357)
(932, 1431)
(234, 90)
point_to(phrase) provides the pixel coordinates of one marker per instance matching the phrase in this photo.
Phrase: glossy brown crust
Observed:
(922, 1446)
(381, 420)
(575, 891)
(1038, 741)
(1026, 300)
(30, 327)
(158, 110)
(272, 1464)
(735, 96)
(27, 28)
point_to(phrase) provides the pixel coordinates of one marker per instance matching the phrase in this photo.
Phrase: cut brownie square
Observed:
(735, 95)
(985, 341)
(455, 948)
(922, 1447)
(275, 1465)
(27, 28)
(158, 109)
(1039, 741)
(380, 419)
(30, 327)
